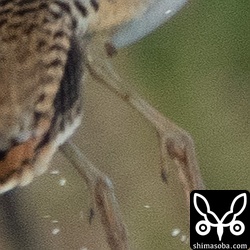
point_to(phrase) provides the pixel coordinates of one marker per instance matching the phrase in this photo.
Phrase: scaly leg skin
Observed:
(102, 193)
(175, 143)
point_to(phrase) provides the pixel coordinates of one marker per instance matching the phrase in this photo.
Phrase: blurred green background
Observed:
(195, 70)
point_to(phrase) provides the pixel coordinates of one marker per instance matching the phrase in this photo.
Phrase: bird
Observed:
(44, 57)
(42, 66)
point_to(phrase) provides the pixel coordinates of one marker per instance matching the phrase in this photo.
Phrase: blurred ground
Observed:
(196, 71)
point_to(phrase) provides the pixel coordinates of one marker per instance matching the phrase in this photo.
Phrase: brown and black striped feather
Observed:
(42, 68)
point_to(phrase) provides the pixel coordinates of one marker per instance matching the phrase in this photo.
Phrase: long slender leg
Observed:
(102, 194)
(175, 143)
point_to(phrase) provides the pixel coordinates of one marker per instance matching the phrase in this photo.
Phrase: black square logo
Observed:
(220, 219)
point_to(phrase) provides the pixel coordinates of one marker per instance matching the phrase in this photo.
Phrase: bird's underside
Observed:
(45, 50)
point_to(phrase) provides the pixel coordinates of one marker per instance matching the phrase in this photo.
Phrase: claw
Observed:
(164, 176)
(91, 215)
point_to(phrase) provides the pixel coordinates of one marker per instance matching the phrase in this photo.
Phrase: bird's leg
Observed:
(175, 143)
(103, 196)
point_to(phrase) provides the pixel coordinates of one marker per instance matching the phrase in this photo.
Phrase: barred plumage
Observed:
(41, 70)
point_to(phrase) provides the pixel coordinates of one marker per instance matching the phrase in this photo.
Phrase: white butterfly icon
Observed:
(236, 227)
